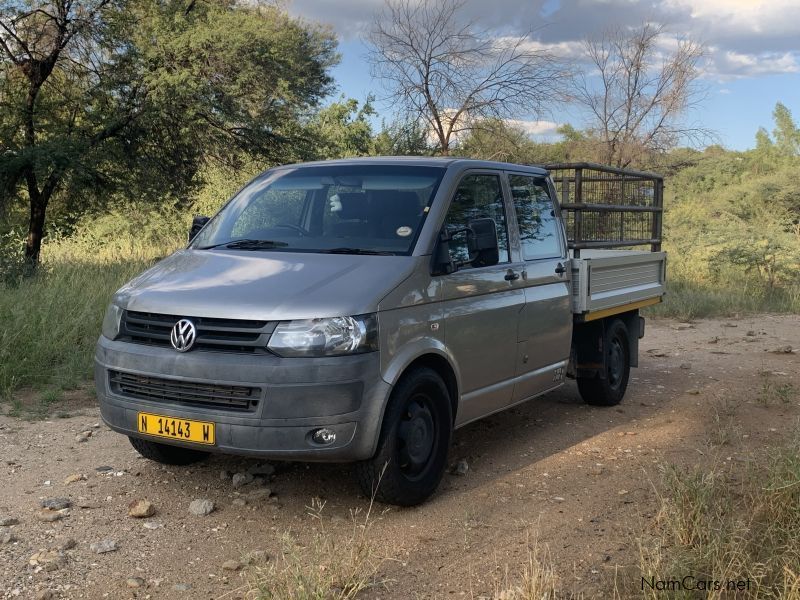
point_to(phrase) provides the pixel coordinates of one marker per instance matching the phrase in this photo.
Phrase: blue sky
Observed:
(753, 47)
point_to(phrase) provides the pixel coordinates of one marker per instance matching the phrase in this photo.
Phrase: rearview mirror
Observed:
(198, 222)
(482, 247)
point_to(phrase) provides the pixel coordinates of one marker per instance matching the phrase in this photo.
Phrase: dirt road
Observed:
(581, 481)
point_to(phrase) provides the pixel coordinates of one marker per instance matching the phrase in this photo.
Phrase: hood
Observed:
(264, 285)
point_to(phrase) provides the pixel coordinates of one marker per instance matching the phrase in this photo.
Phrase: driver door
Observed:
(481, 303)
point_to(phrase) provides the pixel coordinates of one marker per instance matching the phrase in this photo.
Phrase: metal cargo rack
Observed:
(608, 207)
(605, 210)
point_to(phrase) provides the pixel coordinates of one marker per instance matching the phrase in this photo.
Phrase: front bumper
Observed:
(295, 396)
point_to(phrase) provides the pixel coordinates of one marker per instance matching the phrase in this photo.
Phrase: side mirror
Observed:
(442, 261)
(198, 222)
(482, 244)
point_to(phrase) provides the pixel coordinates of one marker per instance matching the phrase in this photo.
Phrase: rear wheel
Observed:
(166, 454)
(415, 438)
(609, 389)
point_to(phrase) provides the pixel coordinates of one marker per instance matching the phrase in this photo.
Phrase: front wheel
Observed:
(415, 438)
(609, 389)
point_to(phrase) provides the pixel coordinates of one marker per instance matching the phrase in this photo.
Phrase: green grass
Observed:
(51, 321)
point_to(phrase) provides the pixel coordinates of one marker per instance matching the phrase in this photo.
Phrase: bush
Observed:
(51, 320)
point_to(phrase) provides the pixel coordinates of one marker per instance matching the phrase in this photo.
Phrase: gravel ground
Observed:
(578, 479)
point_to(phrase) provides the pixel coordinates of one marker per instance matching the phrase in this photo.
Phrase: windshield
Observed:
(371, 209)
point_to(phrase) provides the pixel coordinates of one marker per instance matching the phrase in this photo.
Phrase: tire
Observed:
(419, 411)
(166, 454)
(610, 389)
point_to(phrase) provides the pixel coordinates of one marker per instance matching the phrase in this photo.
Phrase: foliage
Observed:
(403, 139)
(51, 320)
(130, 98)
(343, 129)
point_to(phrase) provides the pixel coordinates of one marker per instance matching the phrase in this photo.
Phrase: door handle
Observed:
(511, 276)
(561, 269)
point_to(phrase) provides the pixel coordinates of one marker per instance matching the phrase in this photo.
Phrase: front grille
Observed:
(145, 387)
(220, 335)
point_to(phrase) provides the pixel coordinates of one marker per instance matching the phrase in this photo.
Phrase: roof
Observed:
(423, 161)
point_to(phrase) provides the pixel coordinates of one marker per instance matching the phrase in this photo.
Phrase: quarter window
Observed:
(538, 226)
(477, 197)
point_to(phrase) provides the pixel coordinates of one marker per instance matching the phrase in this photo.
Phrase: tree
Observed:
(100, 96)
(343, 129)
(498, 140)
(636, 96)
(403, 139)
(438, 68)
(786, 133)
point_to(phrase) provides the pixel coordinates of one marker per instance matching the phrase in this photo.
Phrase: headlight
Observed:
(111, 321)
(335, 336)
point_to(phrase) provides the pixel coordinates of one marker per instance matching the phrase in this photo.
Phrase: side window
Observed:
(477, 197)
(538, 226)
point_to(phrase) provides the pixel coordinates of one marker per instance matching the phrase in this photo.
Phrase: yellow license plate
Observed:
(199, 432)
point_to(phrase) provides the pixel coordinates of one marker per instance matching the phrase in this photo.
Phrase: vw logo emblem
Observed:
(183, 335)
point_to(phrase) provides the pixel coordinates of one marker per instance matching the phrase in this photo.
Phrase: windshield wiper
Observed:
(358, 251)
(247, 244)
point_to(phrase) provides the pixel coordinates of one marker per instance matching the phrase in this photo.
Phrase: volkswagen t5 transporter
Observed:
(361, 310)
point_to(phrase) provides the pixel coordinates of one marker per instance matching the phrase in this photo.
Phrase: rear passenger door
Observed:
(545, 324)
(482, 303)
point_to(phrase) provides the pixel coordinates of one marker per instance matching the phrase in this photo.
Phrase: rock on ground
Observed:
(103, 546)
(47, 560)
(201, 507)
(48, 515)
(232, 565)
(461, 468)
(242, 479)
(141, 509)
(55, 503)
(259, 494)
(134, 582)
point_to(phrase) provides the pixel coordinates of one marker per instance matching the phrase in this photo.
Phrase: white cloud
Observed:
(729, 64)
(745, 38)
(536, 128)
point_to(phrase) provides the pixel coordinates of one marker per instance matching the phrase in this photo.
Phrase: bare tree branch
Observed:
(446, 72)
(637, 92)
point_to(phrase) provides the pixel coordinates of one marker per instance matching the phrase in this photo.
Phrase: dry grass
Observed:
(775, 392)
(538, 580)
(720, 527)
(331, 566)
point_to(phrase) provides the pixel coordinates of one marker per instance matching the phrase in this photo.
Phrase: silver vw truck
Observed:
(361, 310)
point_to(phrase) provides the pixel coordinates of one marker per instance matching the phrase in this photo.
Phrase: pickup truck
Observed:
(361, 310)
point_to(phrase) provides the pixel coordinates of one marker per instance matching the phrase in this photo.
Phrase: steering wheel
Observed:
(297, 228)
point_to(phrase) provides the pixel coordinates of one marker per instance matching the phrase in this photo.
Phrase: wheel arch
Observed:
(433, 356)
(588, 339)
